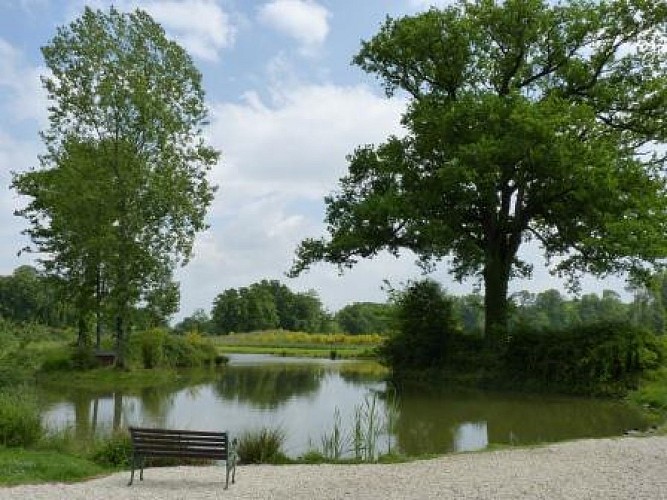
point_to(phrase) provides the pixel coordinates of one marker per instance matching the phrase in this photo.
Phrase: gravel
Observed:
(623, 468)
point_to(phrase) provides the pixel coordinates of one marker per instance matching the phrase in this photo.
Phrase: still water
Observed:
(305, 398)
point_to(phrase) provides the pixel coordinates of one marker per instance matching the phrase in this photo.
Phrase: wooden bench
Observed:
(172, 443)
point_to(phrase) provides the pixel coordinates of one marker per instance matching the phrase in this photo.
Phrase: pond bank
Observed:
(593, 469)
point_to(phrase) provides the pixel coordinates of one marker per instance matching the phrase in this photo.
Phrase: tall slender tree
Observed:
(527, 120)
(122, 188)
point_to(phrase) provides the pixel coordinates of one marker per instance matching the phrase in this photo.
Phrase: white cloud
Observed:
(304, 20)
(15, 155)
(22, 97)
(279, 159)
(202, 27)
(297, 142)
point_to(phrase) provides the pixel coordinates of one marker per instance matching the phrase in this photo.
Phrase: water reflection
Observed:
(302, 396)
(441, 420)
(269, 386)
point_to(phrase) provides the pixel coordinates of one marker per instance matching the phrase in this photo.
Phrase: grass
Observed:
(262, 446)
(300, 352)
(19, 466)
(112, 379)
(300, 344)
(652, 393)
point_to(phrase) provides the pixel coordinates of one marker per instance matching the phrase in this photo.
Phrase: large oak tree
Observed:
(122, 189)
(526, 121)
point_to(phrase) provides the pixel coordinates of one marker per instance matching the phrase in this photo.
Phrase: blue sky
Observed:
(286, 108)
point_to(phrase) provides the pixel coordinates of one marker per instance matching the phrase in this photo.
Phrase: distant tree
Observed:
(364, 318)
(227, 314)
(267, 304)
(259, 309)
(27, 296)
(198, 321)
(123, 188)
(307, 313)
(527, 120)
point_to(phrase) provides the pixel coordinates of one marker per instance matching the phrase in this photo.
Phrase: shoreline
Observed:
(610, 468)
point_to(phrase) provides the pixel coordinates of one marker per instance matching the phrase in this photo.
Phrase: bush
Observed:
(157, 348)
(423, 327)
(189, 351)
(114, 450)
(20, 420)
(600, 358)
(151, 345)
(261, 446)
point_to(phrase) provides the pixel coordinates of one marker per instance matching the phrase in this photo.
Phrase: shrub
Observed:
(423, 326)
(189, 351)
(261, 446)
(599, 358)
(151, 345)
(114, 450)
(83, 358)
(20, 420)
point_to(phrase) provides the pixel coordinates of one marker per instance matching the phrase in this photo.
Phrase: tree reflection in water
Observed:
(269, 386)
(303, 396)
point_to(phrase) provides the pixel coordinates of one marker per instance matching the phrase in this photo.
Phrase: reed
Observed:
(333, 443)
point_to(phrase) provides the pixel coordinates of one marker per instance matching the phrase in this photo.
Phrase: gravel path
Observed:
(624, 468)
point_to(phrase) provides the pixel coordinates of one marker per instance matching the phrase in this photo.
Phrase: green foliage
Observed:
(114, 450)
(156, 348)
(122, 189)
(20, 419)
(600, 358)
(424, 326)
(69, 358)
(262, 446)
(28, 297)
(152, 345)
(267, 305)
(191, 351)
(197, 322)
(527, 119)
(364, 317)
(652, 392)
(18, 466)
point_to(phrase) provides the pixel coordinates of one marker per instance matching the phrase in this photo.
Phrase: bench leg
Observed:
(132, 475)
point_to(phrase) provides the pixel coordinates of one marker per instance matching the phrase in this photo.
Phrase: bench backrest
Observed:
(179, 443)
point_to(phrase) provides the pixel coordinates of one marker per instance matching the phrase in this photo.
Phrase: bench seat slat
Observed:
(184, 441)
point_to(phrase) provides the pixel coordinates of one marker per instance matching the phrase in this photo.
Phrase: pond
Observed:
(306, 398)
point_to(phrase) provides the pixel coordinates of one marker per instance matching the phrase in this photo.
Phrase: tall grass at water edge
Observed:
(262, 446)
(370, 422)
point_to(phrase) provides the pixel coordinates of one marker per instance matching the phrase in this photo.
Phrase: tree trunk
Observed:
(496, 305)
(98, 310)
(120, 340)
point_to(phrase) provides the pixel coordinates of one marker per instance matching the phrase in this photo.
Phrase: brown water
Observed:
(303, 396)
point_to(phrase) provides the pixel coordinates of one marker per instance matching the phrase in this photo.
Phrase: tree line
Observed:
(29, 296)
(271, 304)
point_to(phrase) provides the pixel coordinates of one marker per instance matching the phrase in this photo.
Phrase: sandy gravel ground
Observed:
(624, 468)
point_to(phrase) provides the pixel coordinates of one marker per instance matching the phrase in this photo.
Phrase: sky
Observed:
(286, 107)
